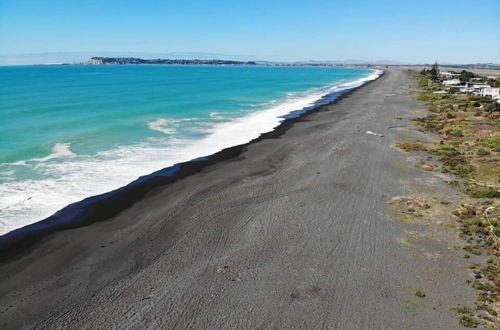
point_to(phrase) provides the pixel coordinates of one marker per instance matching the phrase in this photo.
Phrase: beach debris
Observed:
(419, 294)
(228, 273)
(487, 213)
(223, 269)
(373, 133)
(425, 167)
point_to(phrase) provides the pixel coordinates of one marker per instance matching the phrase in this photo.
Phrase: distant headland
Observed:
(134, 60)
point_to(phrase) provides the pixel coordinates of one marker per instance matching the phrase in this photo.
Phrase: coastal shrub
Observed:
(478, 192)
(482, 152)
(467, 321)
(466, 76)
(487, 309)
(491, 107)
(434, 72)
(495, 83)
(428, 97)
(472, 250)
(491, 271)
(453, 160)
(432, 122)
(469, 149)
(473, 222)
(462, 309)
(411, 146)
(491, 142)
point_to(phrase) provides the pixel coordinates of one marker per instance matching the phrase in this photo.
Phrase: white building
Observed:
(448, 75)
(473, 87)
(489, 91)
(476, 85)
(96, 60)
(451, 82)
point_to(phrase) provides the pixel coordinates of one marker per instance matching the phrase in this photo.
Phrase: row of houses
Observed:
(473, 87)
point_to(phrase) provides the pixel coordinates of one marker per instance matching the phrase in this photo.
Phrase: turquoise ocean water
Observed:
(69, 132)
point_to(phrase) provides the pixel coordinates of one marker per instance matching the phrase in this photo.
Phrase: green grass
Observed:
(467, 321)
(473, 250)
(480, 192)
(491, 142)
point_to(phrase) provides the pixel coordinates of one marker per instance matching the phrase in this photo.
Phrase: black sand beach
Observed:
(293, 232)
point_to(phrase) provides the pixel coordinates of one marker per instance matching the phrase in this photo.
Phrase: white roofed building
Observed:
(448, 75)
(451, 82)
(490, 91)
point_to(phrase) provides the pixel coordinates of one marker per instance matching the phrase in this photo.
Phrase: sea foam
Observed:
(159, 125)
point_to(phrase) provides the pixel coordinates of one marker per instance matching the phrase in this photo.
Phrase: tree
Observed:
(466, 76)
(434, 71)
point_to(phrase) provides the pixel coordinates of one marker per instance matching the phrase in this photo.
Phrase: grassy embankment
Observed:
(469, 129)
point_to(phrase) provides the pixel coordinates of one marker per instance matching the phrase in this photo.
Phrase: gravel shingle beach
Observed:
(293, 232)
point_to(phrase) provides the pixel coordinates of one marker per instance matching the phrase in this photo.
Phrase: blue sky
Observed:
(452, 31)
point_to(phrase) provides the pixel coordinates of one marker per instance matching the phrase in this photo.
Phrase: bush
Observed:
(478, 192)
(491, 142)
(482, 152)
(411, 146)
(426, 97)
(467, 321)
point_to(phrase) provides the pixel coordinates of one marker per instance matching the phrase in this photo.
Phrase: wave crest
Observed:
(159, 125)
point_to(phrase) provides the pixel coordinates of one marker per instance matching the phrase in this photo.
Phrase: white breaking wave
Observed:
(71, 180)
(59, 150)
(159, 125)
(217, 114)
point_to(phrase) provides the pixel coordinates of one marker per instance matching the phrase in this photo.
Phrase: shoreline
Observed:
(103, 206)
(295, 231)
(61, 170)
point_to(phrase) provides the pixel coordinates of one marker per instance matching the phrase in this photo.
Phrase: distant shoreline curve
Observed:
(104, 206)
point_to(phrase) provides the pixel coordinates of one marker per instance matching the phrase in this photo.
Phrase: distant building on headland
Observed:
(133, 60)
(96, 60)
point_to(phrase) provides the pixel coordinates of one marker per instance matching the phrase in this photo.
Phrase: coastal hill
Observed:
(134, 60)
